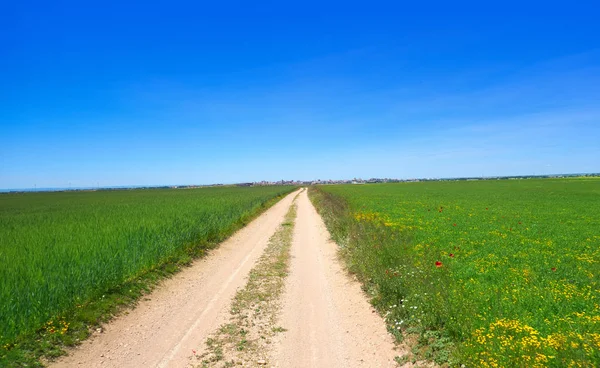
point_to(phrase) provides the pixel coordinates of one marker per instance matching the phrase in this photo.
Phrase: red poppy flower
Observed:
(451, 254)
(438, 264)
(453, 224)
(553, 269)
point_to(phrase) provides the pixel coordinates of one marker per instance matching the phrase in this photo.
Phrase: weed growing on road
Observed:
(247, 335)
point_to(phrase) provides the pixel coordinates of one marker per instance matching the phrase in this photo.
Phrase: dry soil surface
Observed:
(327, 319)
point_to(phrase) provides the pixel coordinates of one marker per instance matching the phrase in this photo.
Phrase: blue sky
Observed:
(149, 93)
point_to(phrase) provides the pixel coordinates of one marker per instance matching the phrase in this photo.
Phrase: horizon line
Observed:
(156, 186)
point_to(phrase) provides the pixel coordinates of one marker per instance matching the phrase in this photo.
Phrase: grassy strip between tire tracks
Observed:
(244, 340)
(70, 328)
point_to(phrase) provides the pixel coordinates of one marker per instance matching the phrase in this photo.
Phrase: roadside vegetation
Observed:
(245, 338)
(478, 273)
(72, 259)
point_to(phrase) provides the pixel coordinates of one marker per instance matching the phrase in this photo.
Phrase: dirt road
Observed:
(327, 319)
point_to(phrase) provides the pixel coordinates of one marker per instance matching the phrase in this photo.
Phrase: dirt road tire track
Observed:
(328, 319)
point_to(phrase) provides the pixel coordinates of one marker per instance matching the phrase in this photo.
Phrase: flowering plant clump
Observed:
(516, 343)
(56, 326)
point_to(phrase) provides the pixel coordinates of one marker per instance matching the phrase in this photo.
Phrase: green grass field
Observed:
(484, 273)
(59, 251)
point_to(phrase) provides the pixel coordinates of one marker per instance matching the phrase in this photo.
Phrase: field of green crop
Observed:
(485, 273)
(60, 250)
